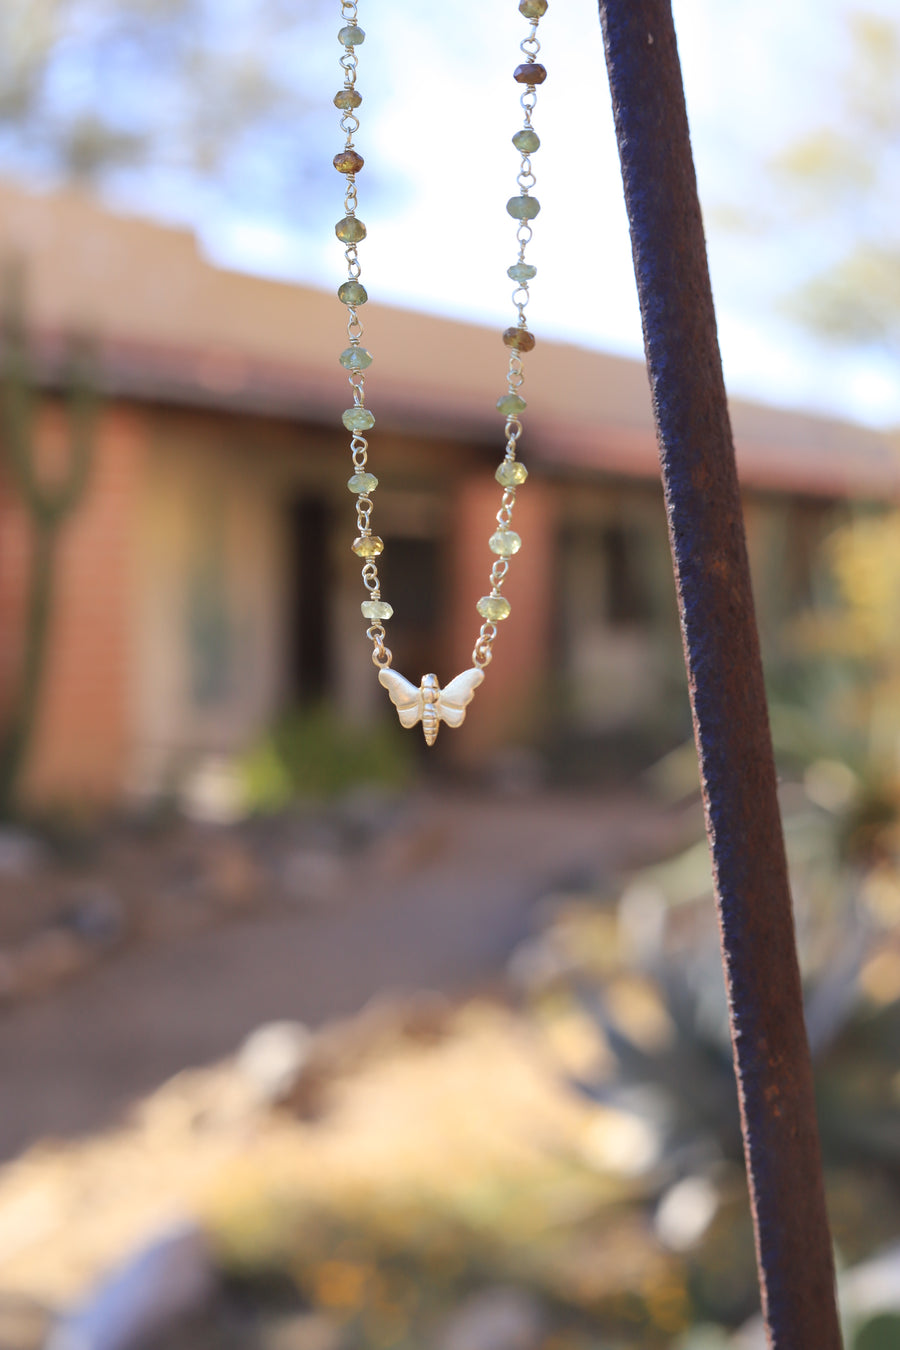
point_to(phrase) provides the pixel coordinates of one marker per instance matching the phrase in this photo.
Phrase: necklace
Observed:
(428, 703)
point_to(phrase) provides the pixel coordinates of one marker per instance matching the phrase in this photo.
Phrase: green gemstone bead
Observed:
(345, 99)
(505, 543)
(355, 358)
(511, 405)
(362, 483)
(376, 609)
(352, 293)
(357, 419)
(523, 208)
(533, 9)
(493, 608)
(527, 141)
(521, 272)
(352, 35)
(511, 473)
(368, 546)
(350, 230)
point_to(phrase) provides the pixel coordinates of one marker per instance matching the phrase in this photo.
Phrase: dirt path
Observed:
(441, 912)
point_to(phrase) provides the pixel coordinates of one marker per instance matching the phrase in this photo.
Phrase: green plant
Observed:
(314, 753)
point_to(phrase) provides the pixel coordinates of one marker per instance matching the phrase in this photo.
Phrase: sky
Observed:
(439, 109)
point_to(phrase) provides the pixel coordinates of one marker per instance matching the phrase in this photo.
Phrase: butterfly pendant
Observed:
(430, 704)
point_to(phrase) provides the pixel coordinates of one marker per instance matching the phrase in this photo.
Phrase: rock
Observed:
(873, 1286)
(311, 875)
(308, 1331)
(20, 853)
(95, 916)
(234, 876)
(272, 1060)
(685, 1212)
(706, 1336)
(160, 1285)
(539, 963)
(500, 1318)
(212, 793)
(425, 1017)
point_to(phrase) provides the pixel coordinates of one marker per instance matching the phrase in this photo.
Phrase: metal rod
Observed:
(731, 726)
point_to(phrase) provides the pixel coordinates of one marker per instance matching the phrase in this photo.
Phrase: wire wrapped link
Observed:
(381, 655)
(482, 654)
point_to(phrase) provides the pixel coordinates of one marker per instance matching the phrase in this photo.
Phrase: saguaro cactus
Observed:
(49, 504)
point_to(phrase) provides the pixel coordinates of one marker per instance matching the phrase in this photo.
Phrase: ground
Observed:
(227, 930)
(155, 951)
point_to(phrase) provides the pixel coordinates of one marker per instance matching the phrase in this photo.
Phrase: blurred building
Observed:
(206, 581)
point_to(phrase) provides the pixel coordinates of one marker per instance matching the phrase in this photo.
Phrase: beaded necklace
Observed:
(429, 703)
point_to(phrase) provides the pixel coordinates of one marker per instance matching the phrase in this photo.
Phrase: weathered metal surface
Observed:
(721, 646)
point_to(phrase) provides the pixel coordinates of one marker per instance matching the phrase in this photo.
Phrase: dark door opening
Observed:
(309, 637)
(412, 581)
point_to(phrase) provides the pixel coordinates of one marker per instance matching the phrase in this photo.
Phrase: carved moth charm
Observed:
(430, 704)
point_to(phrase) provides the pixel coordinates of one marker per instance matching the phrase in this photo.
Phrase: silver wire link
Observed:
(381, 656)
(482, 654)
(370, 580)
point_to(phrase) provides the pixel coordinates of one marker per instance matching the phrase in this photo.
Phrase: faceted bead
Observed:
(345, 99)
(348, 161)
(519, 338)
(521, 272)
(376, 609)
(531, 73)
(352, 293)
(523, 208)
(352, 35)
(533, 9)
(505, 543)
(511, 405)
(493, 608)
(357, 419)
(362, 483)
(350, 230)
(527, 141)
(355, 358)
(511, 473)
(368, 546)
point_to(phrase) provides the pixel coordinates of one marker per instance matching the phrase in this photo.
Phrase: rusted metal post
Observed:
(721, 645)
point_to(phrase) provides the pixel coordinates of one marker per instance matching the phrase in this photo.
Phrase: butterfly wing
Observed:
(406, 698)
(453, 701)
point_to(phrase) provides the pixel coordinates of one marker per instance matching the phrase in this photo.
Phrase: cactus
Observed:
(48, 505)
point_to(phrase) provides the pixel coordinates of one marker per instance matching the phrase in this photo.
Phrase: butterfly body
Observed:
(429, 703)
